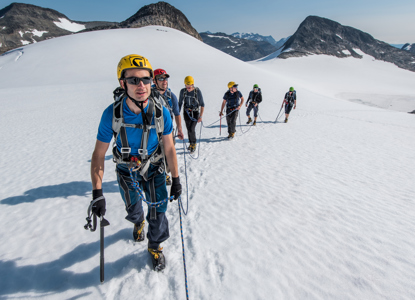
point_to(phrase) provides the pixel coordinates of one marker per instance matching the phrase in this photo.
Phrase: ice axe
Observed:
(102, 223)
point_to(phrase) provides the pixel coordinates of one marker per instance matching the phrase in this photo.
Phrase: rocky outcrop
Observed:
(317, 35)
(162, 14)
(22, 24)
(409, 47)
(242, 49)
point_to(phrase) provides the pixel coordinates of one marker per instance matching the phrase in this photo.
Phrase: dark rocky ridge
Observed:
(317, 35)
(161, 13)
(19, 21)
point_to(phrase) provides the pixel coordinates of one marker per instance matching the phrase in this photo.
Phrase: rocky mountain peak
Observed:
(317, 35)
(162, 14)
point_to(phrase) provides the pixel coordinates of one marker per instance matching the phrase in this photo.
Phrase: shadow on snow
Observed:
(51, 277)
(63, 190)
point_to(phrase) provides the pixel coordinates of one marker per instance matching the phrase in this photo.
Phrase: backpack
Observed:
(251, 93)
(290, 99)
(155, 110)
(164, 98)
(195, 97)
(234, 103)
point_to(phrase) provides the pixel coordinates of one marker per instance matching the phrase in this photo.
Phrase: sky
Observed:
(385, 20)
(321, 207)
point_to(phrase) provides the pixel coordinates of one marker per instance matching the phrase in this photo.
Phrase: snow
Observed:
(25, 42)
(347, 52)
(222, 37)
(68, 25)
(319, 208)
(38, 33)
(339, 36)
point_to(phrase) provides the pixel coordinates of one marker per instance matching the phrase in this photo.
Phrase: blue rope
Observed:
(136, 186)
(184, 258)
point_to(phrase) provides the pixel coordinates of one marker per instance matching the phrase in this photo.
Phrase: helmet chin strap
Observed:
(139, 104)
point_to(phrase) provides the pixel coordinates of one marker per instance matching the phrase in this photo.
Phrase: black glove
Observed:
(176, 188)
(98, 207)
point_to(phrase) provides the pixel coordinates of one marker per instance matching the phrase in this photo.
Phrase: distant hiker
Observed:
(255, 97)
(141, 141)
(193, 107)
(290, 100)
(161, 82)
(231, 100)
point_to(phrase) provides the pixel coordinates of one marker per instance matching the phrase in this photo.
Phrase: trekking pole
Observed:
(282, 104)
(103, 222)
(220, 125)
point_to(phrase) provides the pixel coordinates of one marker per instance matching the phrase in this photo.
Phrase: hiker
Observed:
(161, 82)
(290, 100)
(141, 142)
(231, 100)
(255, 97)
(193, 107)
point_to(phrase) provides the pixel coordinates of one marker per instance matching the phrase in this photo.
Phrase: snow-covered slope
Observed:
(319, 208)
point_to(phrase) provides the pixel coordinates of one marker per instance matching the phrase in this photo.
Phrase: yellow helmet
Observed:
(133, 61)
(231, 84)
(189, 80)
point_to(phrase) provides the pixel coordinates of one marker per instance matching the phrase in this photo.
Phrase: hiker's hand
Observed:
(176, 188)
(98, 207)
(295, 106)
(220, 114)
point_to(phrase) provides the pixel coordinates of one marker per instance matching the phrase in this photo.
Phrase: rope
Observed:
(184, 258)
(136, 186)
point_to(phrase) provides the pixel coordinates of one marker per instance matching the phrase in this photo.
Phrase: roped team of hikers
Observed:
(141, 122)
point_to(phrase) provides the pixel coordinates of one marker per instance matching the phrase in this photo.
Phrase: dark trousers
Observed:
(231, 119)
(158, 227)
(288, 108)
(191, 117)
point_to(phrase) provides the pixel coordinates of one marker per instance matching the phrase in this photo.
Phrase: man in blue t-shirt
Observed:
(138, 153)
(233, 105)
(161, 82)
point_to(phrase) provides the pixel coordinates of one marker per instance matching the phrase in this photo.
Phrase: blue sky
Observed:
(386, 20)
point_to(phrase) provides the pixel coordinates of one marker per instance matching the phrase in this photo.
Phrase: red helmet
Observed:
(160, 72)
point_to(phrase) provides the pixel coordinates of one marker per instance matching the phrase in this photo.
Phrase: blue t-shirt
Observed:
(105, 132)
(173, 102)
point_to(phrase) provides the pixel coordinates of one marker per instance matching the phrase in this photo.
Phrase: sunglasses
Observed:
(137, 80)
(162, 78)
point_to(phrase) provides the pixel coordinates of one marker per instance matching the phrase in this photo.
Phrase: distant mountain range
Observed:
(241, 48)
(22, 24)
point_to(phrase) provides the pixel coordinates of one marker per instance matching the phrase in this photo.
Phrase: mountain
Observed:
(243, 49)
(162, 14)
(317, 35)
(409, 47)
(255, 37)
(22, 24)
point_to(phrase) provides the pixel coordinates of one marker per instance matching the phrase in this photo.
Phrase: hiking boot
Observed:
(253, 124)
(192, 148)
(138, 232)
(286, 120)
(231, 135)
(157, 258)
(249, 120)
(168, 180)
